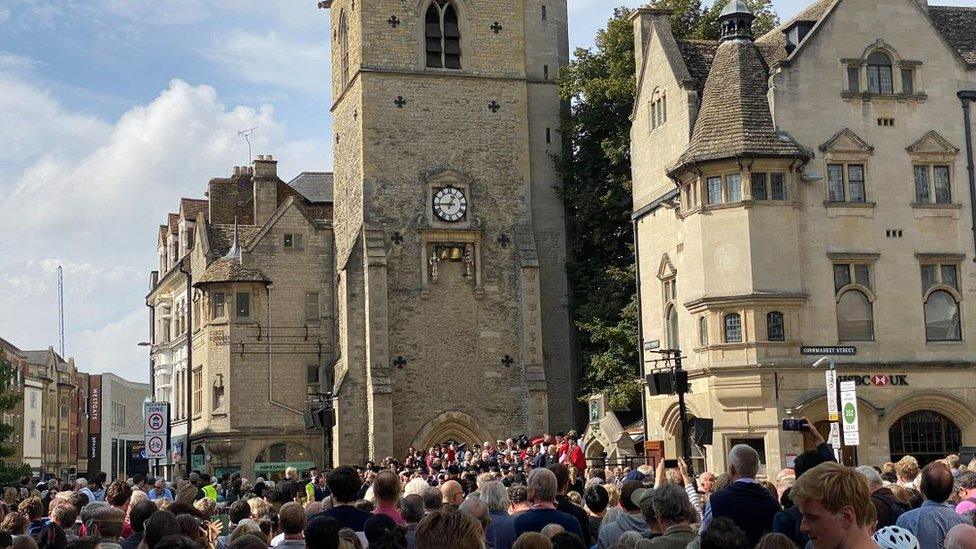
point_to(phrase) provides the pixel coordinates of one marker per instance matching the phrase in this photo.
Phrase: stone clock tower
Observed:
(450, 237)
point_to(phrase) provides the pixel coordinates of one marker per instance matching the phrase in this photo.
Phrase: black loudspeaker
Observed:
(664, 383)
(309, 417)
(701, 430)
(323, 418)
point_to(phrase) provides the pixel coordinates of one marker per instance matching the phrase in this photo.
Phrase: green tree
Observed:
(599, 85)
(691, 21)
(8, 401)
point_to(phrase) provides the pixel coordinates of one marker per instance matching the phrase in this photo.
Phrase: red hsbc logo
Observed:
(879, 381)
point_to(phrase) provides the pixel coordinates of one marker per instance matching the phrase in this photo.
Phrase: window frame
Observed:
(441, 7)
(848, 182)
(343, 49)
(238, 307)
(727, 329)
(218, 305)
(879, 72)
(857, 272)
(317, 318)
(703, 331)
(939, 285)
(772, 316)
(934, 195)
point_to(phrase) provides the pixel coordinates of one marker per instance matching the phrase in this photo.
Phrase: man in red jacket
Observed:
(574, 455)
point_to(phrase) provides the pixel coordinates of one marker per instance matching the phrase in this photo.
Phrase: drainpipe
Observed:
(967, 97)
(640, 326)
(271, 399)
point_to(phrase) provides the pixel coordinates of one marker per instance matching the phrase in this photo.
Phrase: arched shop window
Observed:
(924, 434)
(274, 459)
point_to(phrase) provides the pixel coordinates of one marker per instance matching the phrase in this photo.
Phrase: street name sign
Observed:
(834, 351)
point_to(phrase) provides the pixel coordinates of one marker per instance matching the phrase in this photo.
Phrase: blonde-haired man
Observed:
(836, 507)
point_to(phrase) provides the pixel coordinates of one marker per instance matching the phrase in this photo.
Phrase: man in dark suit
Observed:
(746, 502)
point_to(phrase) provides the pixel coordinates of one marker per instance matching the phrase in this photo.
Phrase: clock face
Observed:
(450, 204)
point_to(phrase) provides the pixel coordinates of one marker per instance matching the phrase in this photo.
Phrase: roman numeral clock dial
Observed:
(450, 205)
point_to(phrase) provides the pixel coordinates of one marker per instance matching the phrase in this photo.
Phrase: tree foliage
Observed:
(600, 85)
(690, 20)
(8, 401)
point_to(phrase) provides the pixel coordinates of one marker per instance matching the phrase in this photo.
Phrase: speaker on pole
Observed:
(701, 428)
(308, 416)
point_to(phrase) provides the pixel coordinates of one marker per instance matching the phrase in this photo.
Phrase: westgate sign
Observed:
(877, 380)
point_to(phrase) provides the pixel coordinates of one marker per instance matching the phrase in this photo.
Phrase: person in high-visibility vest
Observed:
(210, 492)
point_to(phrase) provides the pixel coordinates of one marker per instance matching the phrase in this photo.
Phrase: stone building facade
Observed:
(811, 188)
(453, 320)
(260, 337)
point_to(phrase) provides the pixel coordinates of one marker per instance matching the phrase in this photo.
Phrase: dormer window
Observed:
(879, 74)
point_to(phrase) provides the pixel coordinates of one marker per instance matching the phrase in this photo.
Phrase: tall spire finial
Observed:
(235, 249)
(736, 20)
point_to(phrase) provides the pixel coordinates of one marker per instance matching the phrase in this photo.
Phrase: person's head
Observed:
(836, 505)
(627, 495)
(806, 461)
(256, 540)
(246, 526)
(386, 486)
(259, 508)
(562, 476)
(907, 469)
(322, 533)
(433, 499)
(495, 495)
(206, 506)
(189, 526)
(78, 499)
(65, 515)
(159, 485)
(15, 523)
(551, 530)
(567, 540)
(452, 492)
(118, 494)
(344, 483)
(937, 482)
(239, 510)
(518, 495)
(706, 481)
(961, 536)
(178, 542)
(415, 486)
(722, 533)
(477, 509)
(140, 513)
(412, 508)
(669, 505)
(871, 476)
(32, 507)
(108, 520)
(23, 542)
(532, 540)
(160, 525)
(448, 529)
(967, 484)
(542, 486)
(775, 541)
(743, 462)
(291, 519)
(596, 498)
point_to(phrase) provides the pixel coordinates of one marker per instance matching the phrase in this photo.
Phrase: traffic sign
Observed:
(156, 429)
(832, 411)
(848, 402)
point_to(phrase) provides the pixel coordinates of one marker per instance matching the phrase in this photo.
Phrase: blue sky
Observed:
(113, 109)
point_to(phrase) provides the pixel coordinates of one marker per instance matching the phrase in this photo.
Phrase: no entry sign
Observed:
(157, 429)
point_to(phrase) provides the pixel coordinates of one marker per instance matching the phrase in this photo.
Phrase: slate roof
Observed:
(222, 236)
(230, 270)
(4, 344)
(314, 186)
(37, 357)
(174, 223)
(698, 56)
(191, 207)
(773, 43)
(734, 120)
(958, 26)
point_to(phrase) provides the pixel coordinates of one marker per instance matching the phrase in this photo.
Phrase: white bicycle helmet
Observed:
(893, 537)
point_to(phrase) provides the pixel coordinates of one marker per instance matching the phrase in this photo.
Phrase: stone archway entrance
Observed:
(456, 426)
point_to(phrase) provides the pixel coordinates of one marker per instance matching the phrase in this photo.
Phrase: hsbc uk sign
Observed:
(877, 380)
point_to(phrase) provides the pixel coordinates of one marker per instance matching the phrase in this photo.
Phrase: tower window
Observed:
(344, 48)
(443, 35)
(545, 16)
(548, 135)
(545, 72)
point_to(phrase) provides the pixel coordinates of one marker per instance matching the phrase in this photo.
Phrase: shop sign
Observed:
(197, 462)
(848, 403)
(833, 351)
(273, 466)
(878, 380)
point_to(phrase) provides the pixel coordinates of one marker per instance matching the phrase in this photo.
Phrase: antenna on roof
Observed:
(61, 310)
(246, 134)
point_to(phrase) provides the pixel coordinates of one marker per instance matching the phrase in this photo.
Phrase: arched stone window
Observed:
(924, 434)
(659, 109)
(855, 317)
(703, 331)
(673, 342)
(942, 317)
(775, 327)
(442, 34)
(733, 328)
(879, 73)
(344, 48)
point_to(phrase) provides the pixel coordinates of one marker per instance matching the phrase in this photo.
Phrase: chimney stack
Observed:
(265, 172)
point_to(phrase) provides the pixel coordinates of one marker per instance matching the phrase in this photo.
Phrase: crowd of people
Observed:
(514, 494)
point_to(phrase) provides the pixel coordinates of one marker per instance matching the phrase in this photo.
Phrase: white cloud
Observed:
(272, 60)
(89, 195)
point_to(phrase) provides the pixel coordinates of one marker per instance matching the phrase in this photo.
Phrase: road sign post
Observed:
(156, 416)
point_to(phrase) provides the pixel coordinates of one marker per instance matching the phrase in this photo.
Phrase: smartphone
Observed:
(670, 464)
(224, 524)
(791, 424)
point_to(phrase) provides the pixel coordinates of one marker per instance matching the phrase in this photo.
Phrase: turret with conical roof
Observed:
(736, 20)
